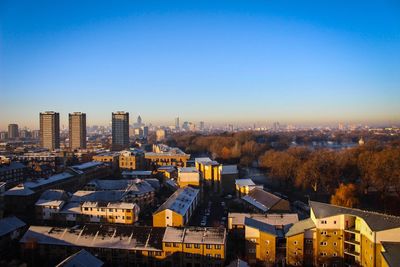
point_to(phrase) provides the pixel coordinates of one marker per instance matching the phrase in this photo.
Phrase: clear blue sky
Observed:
(217, 61)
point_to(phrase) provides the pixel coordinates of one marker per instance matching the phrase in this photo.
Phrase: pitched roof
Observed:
(244, 182)
(300, 227)
(10, 224)
(391, 253)
(124, 237)
(264, 227)
(261, 199)
(180, 200)
(273, 219)
(376, 221)
(81, 259)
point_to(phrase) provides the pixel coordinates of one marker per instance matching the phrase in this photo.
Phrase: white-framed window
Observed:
(295, 242)
(324, 243)
(323, 222)
(324, 232)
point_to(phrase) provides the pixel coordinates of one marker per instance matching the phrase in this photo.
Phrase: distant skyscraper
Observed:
(50, 130)
(120, 130)
(139, 120)
(13, 131)
(77, 130)
(177, 126)
(202, 126)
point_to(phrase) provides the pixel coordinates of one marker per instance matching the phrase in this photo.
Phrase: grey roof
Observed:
(264, 227)
(229, 169)
(376, 221)
(105, 196)
(137, 186)
(300, 227)
(10, 224)
(244, 182)
(87, 165)
(261, 199)
(271, 218)
(180, 200)
(12, 166)
(195, 235)
(392, 253)
(125, 237)
(28, 188)
(81, 259)
(238, 263)
(54, 194)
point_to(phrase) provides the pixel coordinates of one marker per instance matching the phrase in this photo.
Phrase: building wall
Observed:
(166, 218)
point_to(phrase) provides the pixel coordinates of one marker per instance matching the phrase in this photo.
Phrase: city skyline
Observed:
(304, 64)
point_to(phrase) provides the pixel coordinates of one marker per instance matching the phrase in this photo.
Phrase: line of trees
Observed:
(373, 168)
(369, 169)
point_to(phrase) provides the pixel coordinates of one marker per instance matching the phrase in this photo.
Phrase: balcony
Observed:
(352, 241)
(351, 252)
(352, 230)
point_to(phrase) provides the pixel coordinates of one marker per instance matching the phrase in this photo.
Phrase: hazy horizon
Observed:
(308, 63)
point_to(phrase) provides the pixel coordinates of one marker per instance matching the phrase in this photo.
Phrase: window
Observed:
(295, 253)
(335, 244)
(168, 244)
(309, 241)
(110, 210)
(322, 254)
(267, 252)
(176, 245)
(196, 245)
(188, 245)
(110, 217)
(323, 221)
(217, 246)
(158, 253)
(334, 232)
(128, 217)
(334, 254)
(334, 222)
(218, 256)
(86, 208)
(252, 250)
(208, 255)
(295, 242)
(323, 233)
(323, 243)
(208, 246)
(188, 255)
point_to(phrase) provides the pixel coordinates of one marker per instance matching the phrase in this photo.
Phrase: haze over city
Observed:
(239, 62)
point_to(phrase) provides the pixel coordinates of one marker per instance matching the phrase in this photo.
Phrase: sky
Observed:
(298, 62)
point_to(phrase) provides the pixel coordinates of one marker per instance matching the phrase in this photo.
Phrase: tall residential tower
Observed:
(120, 130)
(77, 130)
(13, 131)
(50, 130)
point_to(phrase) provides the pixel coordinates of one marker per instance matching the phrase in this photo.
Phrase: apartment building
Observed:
(131, 160)
(112, 212)
(244, 186)
(120, 130)
(77, 130)
(120, 245)
(164, 155)
(50, 130)
(110, 158)
(178, 208)
(221, 178)
(136, 191)
(188, 176)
